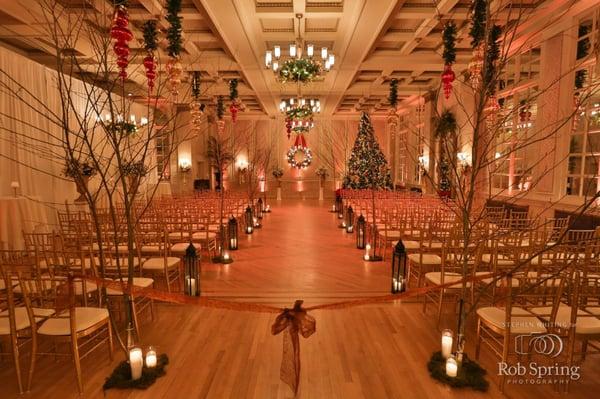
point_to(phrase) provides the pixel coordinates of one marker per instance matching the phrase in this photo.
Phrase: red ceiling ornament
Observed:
(122, 36)
(288, 127)
(151, 45)
(447, 78)
(150, 65)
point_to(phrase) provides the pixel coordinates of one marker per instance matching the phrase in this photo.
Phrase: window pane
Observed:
(576, 145)
(591, 165)
(590, 187)
(574, 165)
(593, 144)
(573, 185)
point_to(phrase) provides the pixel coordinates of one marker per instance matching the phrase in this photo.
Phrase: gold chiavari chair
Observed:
(160, 263)
(499, 325)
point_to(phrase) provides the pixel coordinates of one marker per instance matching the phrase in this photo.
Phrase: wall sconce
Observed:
(185, 165)
(464, 158)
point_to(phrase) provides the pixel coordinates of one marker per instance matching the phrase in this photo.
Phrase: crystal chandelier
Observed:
(299, 114)
(302, 63)
(294, 103)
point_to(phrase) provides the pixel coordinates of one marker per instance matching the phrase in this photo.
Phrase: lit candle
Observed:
(136, 362)
(151, 358)
(249, 229)
(366, 257)
(226, 255)
(447, 339)
(451, 367)
(233, 243)
(191, 283)
(333, 208)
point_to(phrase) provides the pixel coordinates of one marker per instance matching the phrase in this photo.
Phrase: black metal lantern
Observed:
(361, 232)
(349, 220)
(191, 269)
(339, 206)
(232, 230)
(249, 220)
(259, 208)
(399, 268)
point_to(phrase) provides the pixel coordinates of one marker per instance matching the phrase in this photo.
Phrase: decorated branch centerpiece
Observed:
(80, 172)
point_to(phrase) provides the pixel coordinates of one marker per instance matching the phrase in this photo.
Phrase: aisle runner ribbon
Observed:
(290, 321)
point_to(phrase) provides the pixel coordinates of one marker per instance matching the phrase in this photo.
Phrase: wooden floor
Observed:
(367, 352)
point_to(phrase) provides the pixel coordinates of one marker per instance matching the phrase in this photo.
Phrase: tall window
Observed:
(584, 150)
(162, 154)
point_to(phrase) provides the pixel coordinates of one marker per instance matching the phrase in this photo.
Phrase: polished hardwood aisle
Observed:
(365, 352)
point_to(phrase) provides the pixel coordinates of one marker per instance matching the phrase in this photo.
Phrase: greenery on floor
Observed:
(121, 375)
(470, 373)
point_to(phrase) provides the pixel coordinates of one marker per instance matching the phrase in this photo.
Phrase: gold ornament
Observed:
(174, 70)
(196, 113)
(475, 67)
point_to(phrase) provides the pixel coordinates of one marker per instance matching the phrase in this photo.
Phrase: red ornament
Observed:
(448, 77)
(122, 36)
(234, 110)
(288, 127)
(150, 65)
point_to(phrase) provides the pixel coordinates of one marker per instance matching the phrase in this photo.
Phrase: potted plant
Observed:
(80, 172)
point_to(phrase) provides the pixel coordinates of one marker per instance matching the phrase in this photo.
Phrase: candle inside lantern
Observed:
(191, 282)
(333, 208)
(226, 255)
(447, 340)
(367, 252)
(151, 359)
(136, 362)
(233, 243)
(451, 367)
(249, 229)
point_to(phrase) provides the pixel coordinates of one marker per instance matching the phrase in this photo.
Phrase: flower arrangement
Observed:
(124, 127)
(74, 168)
(277, 172)
(299, 70)
(134, 169)
(322, 172)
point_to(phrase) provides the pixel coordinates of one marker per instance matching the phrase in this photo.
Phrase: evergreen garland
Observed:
(449, 40)
(174, 30)
(470, 374)
(492, 55)
(220, 108)
(445, 125)
(121, 375)
(367, 167)
(150, 36)
(479, 16)
(233, 90)
(393, 96)
(196, 85)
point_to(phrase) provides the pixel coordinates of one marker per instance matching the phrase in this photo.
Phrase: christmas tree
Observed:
(367, 167)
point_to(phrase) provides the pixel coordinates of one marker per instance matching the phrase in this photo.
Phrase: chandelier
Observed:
(291, 104)
(301, 64)
(299, 114)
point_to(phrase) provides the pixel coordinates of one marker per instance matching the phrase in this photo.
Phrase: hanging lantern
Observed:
(174, 71)
(399, 268)
(349, 220)
(122, 36)
(191, 267)
(249, 220)
(232, 230)
(448, 77)
(475, 67)
(361, 232)
(259, 208)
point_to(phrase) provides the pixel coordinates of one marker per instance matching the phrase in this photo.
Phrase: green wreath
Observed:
(304, 162)
(303, 112)
(299, 70)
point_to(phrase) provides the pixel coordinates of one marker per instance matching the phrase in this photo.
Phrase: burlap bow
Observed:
(292, 321)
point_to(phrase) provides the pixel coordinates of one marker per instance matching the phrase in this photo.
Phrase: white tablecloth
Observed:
(18, 215)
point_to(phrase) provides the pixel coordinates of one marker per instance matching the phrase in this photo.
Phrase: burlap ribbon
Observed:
(291, 322)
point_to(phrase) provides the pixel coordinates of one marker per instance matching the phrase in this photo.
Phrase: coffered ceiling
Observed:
(374, 41)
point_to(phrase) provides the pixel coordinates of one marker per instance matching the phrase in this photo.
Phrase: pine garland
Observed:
(479, 16)
(367, 167)
(196, 85)
(445, 125)
(174, 30)
(150, 36)
(393, 96)
(121, 375)
(220, 108)
(449, 40)
(470, 373)
(492, 55)
(233, 90)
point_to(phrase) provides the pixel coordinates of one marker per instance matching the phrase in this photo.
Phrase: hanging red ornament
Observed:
(233, 108)
(288, 127)
(448, 77)
(122, 36)
(150, 65)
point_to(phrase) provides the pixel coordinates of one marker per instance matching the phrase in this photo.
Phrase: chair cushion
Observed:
(151, 249)
(142, 282)
(22, 319)
(432, 244)
(584, 324)
(181, 247)
(85, 317)
(410, 245)
(391, 233)
(159, 263)
(522, 321)
(179, 234)
(427, 259)
(201, 235)
(436, 279)
(502, 261)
